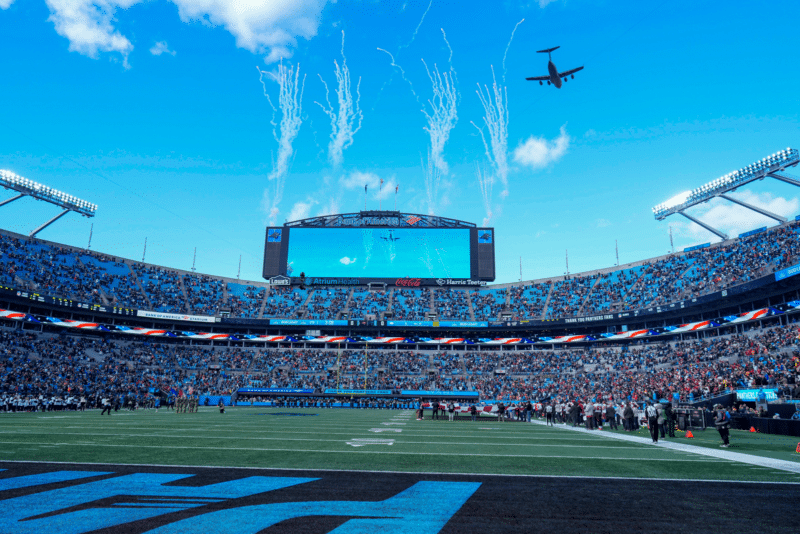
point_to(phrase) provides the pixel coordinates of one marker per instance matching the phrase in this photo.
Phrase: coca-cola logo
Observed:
(408, 282)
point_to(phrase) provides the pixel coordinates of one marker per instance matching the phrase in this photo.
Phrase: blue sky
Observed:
(156, 112)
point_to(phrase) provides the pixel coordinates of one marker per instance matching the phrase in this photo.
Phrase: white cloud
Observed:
(733, 219)
(261, 26)
(358, 179)
(269, 27)
(538, 152)
(348, 261)
(603, 223)
(301, 210)
(161, 47)
(5, 4)
(331, 207)
(88, 25)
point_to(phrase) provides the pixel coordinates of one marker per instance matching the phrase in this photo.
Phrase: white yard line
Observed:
(772, 463)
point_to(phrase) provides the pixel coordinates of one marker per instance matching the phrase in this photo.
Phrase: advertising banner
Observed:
(358, 392)
(424, 393)
(751, 395)
(464, 324)
(787, 273)
(176, 316)
(307, 322)
(410, 323)
(274, 390)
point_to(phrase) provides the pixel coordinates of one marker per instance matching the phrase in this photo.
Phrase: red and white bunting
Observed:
(267, 338)
(504, 341)
(629, 335)
(387, 340)
(568, 339)
(204, 335)
(329, 339)
(447, 340)
(751, 316)
(144, 331)
(691, 327)
(69, 323)
(8, 314)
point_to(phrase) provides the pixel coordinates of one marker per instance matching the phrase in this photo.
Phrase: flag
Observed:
(365, 189)
(396, 188)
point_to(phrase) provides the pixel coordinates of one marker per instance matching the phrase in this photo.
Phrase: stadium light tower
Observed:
(26, 187)
(773, 166)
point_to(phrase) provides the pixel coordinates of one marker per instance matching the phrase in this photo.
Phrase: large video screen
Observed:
(379, 252)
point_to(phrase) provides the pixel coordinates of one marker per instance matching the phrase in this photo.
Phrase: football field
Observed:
(375, 455)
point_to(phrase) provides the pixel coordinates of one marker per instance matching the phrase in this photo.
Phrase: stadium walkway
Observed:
(783, 465)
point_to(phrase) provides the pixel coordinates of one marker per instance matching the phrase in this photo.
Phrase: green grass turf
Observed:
(248, 437)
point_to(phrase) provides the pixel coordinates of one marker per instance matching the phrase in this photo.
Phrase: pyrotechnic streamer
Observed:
(432, 179)
(290, 98)
(399, 49)
(443, 117)
(509, 46)
(485, 182)
(450, 58)
(402, 73)
(495, 118)
(347, 121)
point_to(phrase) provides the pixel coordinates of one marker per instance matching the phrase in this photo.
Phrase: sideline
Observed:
(781, 465)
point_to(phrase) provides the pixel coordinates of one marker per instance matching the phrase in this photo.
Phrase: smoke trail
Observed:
(347, 121)
(450, 58)
(290, 98)
(443, 116)
(402, 73)
(495, 118)
(432, 179)
(416, 30)
(509, 46)
(399, 49)
(485, 182)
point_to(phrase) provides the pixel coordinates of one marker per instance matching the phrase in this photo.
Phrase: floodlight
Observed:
(770, 166)
(9, 180)
(26, 187)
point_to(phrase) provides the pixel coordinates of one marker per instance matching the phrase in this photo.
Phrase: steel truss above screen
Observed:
(388, 219)
(772, 166)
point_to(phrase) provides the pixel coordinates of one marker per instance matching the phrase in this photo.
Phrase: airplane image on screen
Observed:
(391, 237)
(553, 75)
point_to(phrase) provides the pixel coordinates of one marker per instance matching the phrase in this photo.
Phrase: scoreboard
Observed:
(389, 247)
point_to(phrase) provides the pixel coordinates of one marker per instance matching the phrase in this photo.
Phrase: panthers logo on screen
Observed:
(274, 236)
(485, 237)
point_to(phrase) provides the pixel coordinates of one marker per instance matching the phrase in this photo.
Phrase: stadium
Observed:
(379, 366)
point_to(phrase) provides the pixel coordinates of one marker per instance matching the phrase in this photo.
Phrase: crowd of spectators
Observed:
(203, 293)
(365, 303)
(452, 304)
(488, 303)
(94, 278)
(411, 305)
(162, 287)
(528, 301)
(326, 303)
(35, 364)
(285, 302)
(245, 300)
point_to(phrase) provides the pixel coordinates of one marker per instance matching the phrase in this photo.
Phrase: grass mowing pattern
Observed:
(249, 437)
